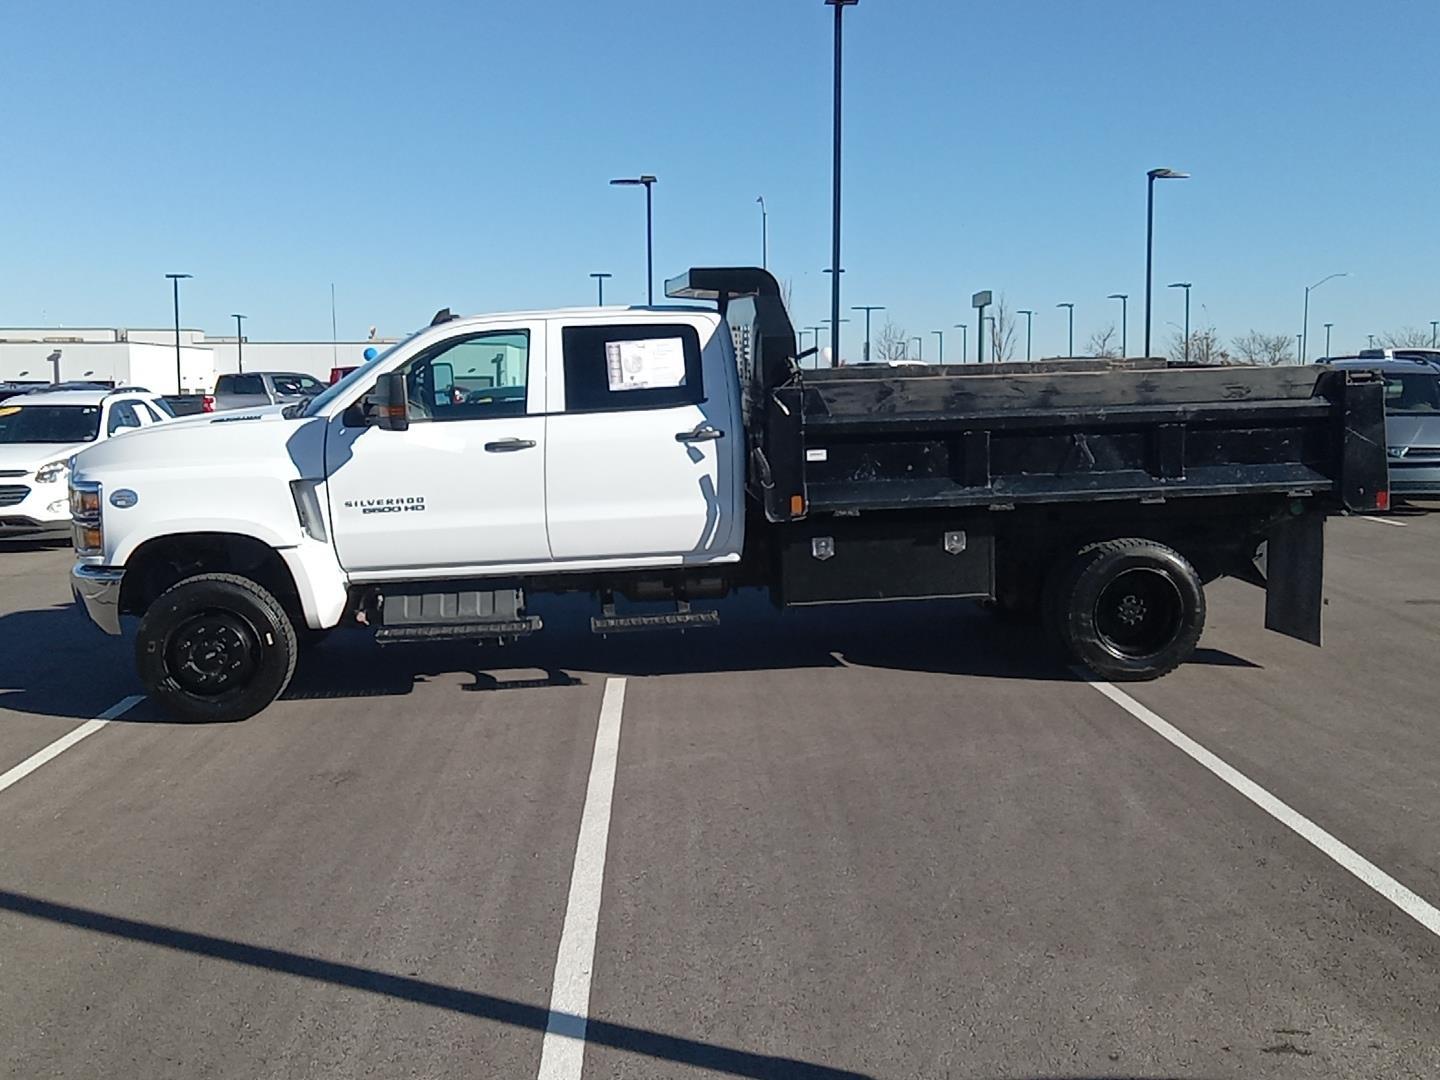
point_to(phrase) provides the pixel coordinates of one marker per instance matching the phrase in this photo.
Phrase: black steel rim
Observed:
(1139, 613)
(212, 653)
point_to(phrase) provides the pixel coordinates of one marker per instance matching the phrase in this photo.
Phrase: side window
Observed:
(476, 377)
(149, 415)
(635, 366)
(223, 384)
(240, 384)
(122, 416)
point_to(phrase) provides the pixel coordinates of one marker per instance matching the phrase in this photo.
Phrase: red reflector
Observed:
(207, 404)
(1382, 500)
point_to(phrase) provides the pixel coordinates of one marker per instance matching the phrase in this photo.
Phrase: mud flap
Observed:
(1295, 577)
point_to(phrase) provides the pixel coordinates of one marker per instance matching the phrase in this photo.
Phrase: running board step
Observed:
(473, 631)
(668, 620)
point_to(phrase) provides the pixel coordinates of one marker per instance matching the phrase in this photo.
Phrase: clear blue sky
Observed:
(457, 154)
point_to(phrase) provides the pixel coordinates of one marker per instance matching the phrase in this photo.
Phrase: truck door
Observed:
(464, 486)
(644, 451)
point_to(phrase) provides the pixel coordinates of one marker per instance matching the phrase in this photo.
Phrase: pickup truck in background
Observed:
(252, 388)
(654, 457)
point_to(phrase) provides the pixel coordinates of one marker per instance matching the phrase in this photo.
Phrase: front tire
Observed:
(1129, 610)
(215, 648)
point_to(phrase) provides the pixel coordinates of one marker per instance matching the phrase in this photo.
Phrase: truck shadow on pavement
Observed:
(936, 637)
(54, 663)
(697, 1053)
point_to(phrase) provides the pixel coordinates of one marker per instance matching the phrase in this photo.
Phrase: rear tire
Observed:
(1128, 610)
(215, 648)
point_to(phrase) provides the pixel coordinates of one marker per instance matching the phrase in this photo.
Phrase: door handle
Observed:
(505, 446)
(701, 432)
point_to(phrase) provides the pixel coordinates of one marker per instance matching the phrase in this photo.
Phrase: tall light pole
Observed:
(1124, 299)
(1305, 325)
(648, 182)
(600, 277)
(1328, 325)
(941, 335)
(1070, 308)
(867, 309)
(239, 343)
(1300, 344)
(1153, 175)
(1372, 340)
(919, 347)
(964, 329)
(1029, 328)
(835, 271)
(815, 330)
(800, 339)
(1186, 286)
(175, 280)
(764, 234)
(1433, 324)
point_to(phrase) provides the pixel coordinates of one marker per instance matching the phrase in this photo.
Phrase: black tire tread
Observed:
(264, 598)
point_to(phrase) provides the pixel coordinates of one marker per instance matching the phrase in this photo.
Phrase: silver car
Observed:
(245, 391)
(1412, 421)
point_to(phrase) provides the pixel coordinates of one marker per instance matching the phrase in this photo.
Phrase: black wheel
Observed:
(1129, 609)
(215, 647)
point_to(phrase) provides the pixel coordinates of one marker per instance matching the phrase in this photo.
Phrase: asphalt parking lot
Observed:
(872, 842)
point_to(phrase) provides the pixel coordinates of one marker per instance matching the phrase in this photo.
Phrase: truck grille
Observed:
(12, 472)
(13, 494)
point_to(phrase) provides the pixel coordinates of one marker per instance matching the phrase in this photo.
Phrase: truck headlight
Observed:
(56, 470)
(87, 532)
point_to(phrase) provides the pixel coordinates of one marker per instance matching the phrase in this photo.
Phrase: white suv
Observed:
(39, 432)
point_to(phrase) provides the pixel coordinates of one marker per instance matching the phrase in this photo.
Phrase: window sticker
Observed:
(646, 364)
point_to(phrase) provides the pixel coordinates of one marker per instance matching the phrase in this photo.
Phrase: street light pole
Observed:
(1305, 325)
(964, 329)
(600, 277)
(764, 234)
(239, 344)
(1124, 299)
(175, 280)
(941, 335)
(867, 309)
(919, 347)
(648, 182)
(839, 6)
(1186, 286)
(1433, 324)
(1070, 308)
(1153, 175)
(1372, 340)
(1029, 327)
(815, 330)
(1328, 325)
(1300, 344)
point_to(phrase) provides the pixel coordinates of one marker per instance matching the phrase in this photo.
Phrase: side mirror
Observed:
(392, 408)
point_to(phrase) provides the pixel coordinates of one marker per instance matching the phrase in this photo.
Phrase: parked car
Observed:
(1412, 417)
(38, 434)
(14, 389)
(252, 388)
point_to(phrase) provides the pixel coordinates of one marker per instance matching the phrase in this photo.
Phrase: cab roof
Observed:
(74, 397)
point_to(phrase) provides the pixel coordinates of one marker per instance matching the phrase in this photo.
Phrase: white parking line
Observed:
(60, 745)
(562, 1053)
(1411, 904)
(1383, 521)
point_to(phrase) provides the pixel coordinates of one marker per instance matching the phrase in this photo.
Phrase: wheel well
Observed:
(160, 563)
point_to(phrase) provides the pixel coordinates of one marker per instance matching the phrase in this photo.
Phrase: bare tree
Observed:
(1256, 347)
(1205, 347)
(1103, 343)
(892, 343)
(787, 291)
(1409, 337)
(1002, 332)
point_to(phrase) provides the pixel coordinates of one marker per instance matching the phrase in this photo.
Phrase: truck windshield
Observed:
(1412, 393)
(49, 423)
(320, 402)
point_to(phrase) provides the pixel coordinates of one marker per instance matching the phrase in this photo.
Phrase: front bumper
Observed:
(1415, 477)
(98, 589)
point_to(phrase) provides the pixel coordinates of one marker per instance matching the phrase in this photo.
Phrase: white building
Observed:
(144, 357)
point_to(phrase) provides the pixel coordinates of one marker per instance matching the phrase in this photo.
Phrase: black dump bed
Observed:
(880, 437)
